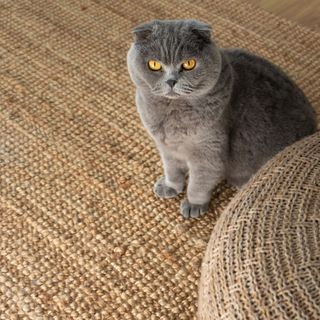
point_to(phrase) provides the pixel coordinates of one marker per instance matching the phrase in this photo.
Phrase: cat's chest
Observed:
(173, 127)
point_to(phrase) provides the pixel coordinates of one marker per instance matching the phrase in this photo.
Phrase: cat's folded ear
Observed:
(143, 31)
(202, 29)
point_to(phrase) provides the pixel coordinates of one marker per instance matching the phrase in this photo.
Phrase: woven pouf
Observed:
(263, 258)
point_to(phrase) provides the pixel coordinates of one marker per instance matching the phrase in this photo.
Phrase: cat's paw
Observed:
(190, 210)
(163, 191)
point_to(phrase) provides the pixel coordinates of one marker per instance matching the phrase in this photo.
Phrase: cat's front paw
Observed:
(163, 191)
(190, 210)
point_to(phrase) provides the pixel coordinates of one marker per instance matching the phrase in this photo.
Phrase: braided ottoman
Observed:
(263, 258)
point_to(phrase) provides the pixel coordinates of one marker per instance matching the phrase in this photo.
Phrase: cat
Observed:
(213, 113)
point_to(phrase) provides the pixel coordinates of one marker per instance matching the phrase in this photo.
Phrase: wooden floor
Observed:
(305, 12)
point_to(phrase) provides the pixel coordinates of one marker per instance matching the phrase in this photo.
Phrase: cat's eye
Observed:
(189, 64)
(154, 65)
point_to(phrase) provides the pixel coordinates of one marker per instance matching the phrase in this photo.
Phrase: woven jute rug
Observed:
(81, 234)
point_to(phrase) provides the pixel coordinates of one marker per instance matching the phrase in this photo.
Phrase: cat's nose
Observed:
(171, 82)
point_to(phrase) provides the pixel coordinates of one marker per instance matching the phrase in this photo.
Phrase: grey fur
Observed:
(222, 120)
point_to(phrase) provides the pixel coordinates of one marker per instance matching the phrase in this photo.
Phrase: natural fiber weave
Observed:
(81, 234)
(263, 258)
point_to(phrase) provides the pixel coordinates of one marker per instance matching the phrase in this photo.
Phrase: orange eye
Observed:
(189, 64)
(154, 65)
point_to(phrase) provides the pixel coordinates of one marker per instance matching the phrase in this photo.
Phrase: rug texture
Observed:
(81, 234)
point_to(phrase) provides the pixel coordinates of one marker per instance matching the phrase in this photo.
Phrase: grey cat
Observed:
(214, 114)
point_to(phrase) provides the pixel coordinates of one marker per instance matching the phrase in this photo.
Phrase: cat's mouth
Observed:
(172, 95)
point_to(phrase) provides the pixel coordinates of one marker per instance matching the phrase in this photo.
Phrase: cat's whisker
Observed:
(185, 90)
(188, 91)
(159, 90)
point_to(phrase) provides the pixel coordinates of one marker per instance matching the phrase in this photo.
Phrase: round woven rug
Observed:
(81, 234)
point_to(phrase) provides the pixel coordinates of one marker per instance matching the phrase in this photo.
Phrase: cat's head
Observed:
(174, 58)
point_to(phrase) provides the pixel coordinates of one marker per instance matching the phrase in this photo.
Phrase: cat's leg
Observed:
(173, 181)
(202, 180)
